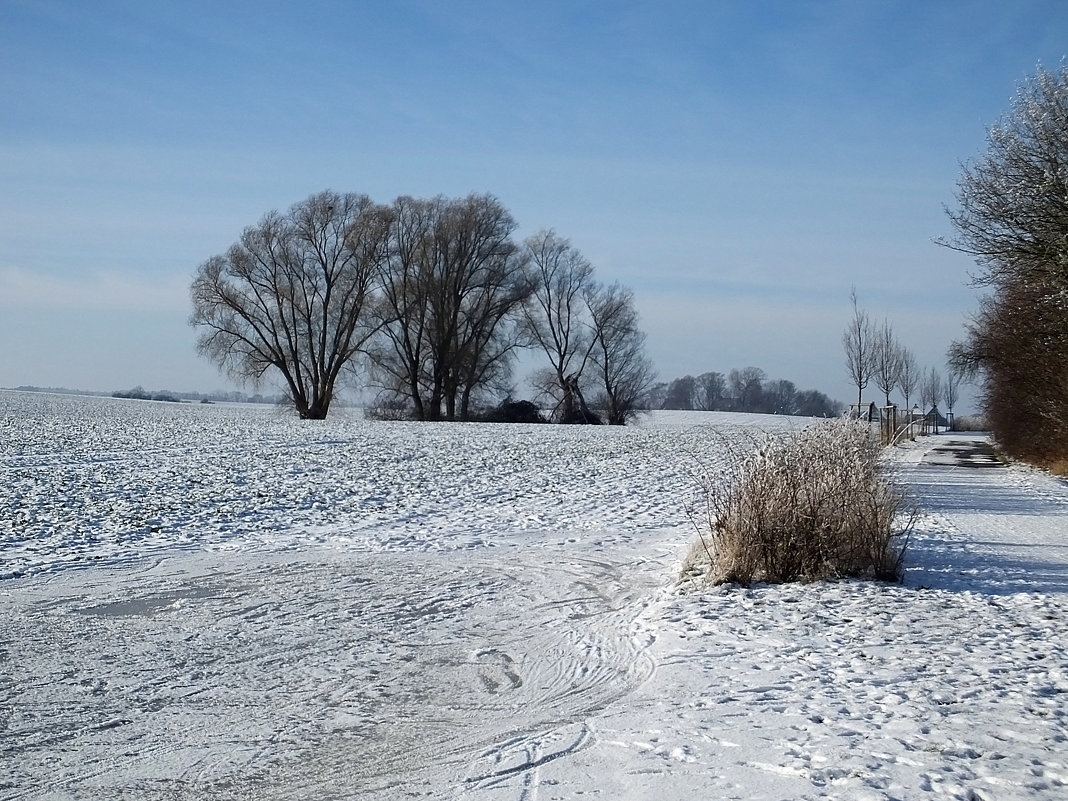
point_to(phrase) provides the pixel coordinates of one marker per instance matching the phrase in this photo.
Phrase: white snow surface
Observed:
(222, 602)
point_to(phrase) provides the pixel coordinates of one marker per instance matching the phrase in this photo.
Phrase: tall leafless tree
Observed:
(624, 373)
(951, 392)
(858, 342)
(780, 397)
(291, 296)
(908, 374)
(401, 355)
(453, 289)
(886, 359)
(710, 391)
(747, 388)
(681, 393)
(930, 389)
(556, 317)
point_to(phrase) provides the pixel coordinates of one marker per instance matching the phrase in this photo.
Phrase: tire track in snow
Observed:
(575, 676)
(278, 677)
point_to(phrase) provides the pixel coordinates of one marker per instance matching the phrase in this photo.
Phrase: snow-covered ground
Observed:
(223, 602)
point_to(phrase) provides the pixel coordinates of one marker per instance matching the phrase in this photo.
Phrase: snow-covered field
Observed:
(223, 602)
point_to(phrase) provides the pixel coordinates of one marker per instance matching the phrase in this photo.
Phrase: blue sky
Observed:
(740, 165)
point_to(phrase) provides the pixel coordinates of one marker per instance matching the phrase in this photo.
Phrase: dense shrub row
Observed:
(1012, 216)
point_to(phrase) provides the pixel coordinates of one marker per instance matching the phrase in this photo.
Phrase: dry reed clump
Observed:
(816, 504)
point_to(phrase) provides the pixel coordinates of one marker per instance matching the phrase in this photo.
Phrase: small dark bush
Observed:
(512, 411)
(388, 410)
(581, 418)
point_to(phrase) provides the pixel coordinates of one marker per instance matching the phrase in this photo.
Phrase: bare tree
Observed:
(452, 293)
(681, 393)
(951, 392)
(291, 296)
(780, 397)
(908, 374)
(886, 357)
(747, 388)
(488, 334)
(481, 287)
(859, 344)
(624, 372)
(812, 403)
(1012, 210)
(744, 389)
(710, 391)
(556, 317)
(930, 390)
(656, 395)
(401, 355)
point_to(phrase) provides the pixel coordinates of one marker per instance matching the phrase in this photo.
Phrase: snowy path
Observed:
(1007, 528)
(484, 613)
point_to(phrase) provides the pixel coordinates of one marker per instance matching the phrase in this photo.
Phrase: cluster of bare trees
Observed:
(588, 333)
(874, 354)
(741, 390)
(1012, 215)
(428, 300)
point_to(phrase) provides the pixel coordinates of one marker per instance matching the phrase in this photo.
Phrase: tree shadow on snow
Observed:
(999, 539)
(955, 499)
(950, 564)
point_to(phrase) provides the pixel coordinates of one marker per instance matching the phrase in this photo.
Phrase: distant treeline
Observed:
(744, 390)
(140, 393)
(54, 390)
(168, 396)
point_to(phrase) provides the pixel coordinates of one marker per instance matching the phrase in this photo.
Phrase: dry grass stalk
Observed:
(815, 504)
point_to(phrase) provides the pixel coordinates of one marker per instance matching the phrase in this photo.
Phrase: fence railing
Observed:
(893, 424)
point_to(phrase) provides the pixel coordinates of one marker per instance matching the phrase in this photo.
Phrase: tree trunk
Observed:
(566, 409)
(317, 411)
(465, 403)
(586, 415)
